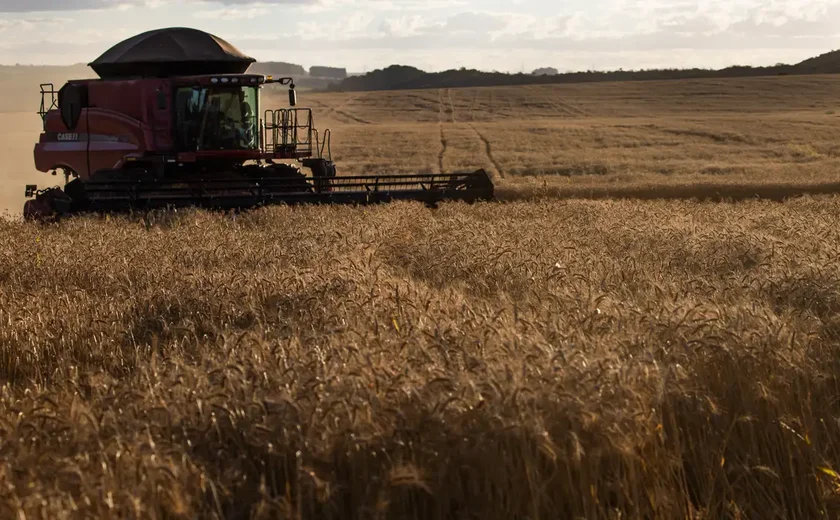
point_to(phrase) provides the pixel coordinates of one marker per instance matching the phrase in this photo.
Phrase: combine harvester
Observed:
(174, 121)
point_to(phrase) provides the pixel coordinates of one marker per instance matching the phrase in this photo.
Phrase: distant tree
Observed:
(277, 68)
(398, 77)
(328, 72)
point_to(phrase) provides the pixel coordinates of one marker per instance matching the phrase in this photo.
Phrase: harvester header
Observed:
(175, 120)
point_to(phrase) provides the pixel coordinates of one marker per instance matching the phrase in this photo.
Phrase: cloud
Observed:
(28, 6)
(233, 13)
(318, 6)
(450, 32)
(31, 23)
(16, 6)
(659, 28)
(409, 25)
(474, 22)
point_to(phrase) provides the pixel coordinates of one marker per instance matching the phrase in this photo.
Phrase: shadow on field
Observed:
(718, 192)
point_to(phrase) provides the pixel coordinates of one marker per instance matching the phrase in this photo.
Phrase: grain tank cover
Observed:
(171, 52)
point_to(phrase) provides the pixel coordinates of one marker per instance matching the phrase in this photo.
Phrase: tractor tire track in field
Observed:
(548, 97)
(492, 107)
(352, 118)
(572, 109)
(332, 109)
(501, 108)
(423, 103)
(488, 151)
(443, 144)
(511, 107)
(451, 105)
(339, 111)
(472, 106)
(555, 102)
(562, 106)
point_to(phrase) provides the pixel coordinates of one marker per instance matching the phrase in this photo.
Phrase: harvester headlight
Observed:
(214, 80)
(235, 80)
(225, 80)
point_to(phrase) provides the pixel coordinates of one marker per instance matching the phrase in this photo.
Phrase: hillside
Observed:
(401, 77)
(828, 63)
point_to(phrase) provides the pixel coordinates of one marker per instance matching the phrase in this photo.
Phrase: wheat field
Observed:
(600, 343)
(719, 139)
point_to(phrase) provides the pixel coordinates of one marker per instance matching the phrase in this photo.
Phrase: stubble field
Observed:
(540, 357)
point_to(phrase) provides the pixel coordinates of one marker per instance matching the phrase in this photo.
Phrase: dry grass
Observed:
(537, 358)
(581, 359)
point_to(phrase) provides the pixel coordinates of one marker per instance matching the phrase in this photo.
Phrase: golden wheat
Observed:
(579, 359)
(534, 358)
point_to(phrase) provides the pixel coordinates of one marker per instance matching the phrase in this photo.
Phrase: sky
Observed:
(509, 35)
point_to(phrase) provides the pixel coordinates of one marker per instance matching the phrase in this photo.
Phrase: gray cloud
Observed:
(474, 22)
(638, 32)
(28, 6)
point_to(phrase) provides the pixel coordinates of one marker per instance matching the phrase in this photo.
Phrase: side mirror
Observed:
(292, 96)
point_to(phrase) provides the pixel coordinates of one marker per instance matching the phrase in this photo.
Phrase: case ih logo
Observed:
(76, 136)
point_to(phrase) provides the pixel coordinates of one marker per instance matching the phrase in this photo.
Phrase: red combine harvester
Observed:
(174, 120)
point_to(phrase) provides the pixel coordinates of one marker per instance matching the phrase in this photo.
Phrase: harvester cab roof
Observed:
(175, 119)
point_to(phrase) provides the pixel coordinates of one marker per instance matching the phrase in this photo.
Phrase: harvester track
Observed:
(488, 151)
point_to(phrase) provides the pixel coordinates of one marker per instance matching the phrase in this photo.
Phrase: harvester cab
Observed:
(176, 120)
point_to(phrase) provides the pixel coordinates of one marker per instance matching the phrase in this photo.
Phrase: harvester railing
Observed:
(47, 89)
(288, 132)
(325, 145)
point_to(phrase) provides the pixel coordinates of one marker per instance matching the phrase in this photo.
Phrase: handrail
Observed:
(327, 144)
(44, 110)
(291, 133)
